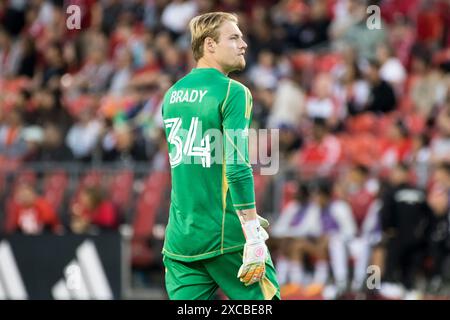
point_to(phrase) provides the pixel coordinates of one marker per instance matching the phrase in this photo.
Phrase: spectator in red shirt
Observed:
(397, 145)
(31, 214)
(93, 211)
(359, 190)
(322, 153)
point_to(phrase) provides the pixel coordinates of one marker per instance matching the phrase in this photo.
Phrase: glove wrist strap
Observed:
(252, 230)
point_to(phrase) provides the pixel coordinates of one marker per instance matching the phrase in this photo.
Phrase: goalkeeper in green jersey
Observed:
(214, 237)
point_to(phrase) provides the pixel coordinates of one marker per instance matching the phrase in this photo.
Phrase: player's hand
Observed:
(253, 267)
(264, 224)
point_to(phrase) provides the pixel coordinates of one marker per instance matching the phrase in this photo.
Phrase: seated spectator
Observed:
(288, 105)
(352, 91)
(28, 58)
(365, 247)
(339, 228)
(391, 70)
(12, 143)
(122, 74)
(176, 15)
(306, 26)
(382, 96)
(92, 211)
(297, 222)
(31, 214)
(53, 148)
(426, 84)
(290, 142)
(321, 153)
(402, 36)
(83, 136)
(322, 103)
(396, 147)
(263, 100)
(173, 63)
(33, 136)
(96, 72)
(359, 190)
(48, 108)
(264, 74)
(358, 35)
(54, 66)
(121, 145)
(9, 54)
(148, 70)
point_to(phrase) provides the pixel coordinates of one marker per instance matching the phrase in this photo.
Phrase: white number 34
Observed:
(176, 156)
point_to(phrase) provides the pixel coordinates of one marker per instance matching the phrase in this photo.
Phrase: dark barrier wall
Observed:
(60, 267)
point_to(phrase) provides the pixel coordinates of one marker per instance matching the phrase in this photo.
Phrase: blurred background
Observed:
(364, 121)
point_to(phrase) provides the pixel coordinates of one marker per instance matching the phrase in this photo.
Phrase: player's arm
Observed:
(238, 171)
(236, 112)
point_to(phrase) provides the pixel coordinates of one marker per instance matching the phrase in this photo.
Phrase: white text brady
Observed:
(191, 96)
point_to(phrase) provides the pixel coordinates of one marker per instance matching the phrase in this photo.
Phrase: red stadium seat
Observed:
(120, 188)
(54, 187)
(25, 176)
(148, 204)
(10, 207)
(93, 178)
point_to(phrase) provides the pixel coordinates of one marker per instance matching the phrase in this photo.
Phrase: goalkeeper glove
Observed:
(253, 267)
(264, 224)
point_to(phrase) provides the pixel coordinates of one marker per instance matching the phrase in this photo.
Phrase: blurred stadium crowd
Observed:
(363, 114)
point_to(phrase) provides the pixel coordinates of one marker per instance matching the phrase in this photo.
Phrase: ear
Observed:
(210, 45)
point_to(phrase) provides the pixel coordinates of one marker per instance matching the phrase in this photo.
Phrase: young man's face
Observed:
(230, 49)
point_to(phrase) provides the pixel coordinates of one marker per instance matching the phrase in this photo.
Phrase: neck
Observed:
(206, 63)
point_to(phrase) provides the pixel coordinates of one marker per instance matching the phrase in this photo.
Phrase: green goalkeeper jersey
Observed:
(206, 117)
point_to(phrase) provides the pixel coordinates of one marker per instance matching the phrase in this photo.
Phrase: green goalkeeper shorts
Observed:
(199, 280)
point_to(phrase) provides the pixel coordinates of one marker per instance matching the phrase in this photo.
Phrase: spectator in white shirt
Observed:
(83, 136)
(176, 15)
(391, 69)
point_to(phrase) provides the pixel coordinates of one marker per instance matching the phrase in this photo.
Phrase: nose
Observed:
(243, 44)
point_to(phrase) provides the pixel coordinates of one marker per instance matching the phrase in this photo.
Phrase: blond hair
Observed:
(207, 25)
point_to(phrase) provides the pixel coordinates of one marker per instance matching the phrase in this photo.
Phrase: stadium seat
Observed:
(89, 179)
(120, 188)
(147, 207)
(25, 176)
(10, 207)
(54, 187)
